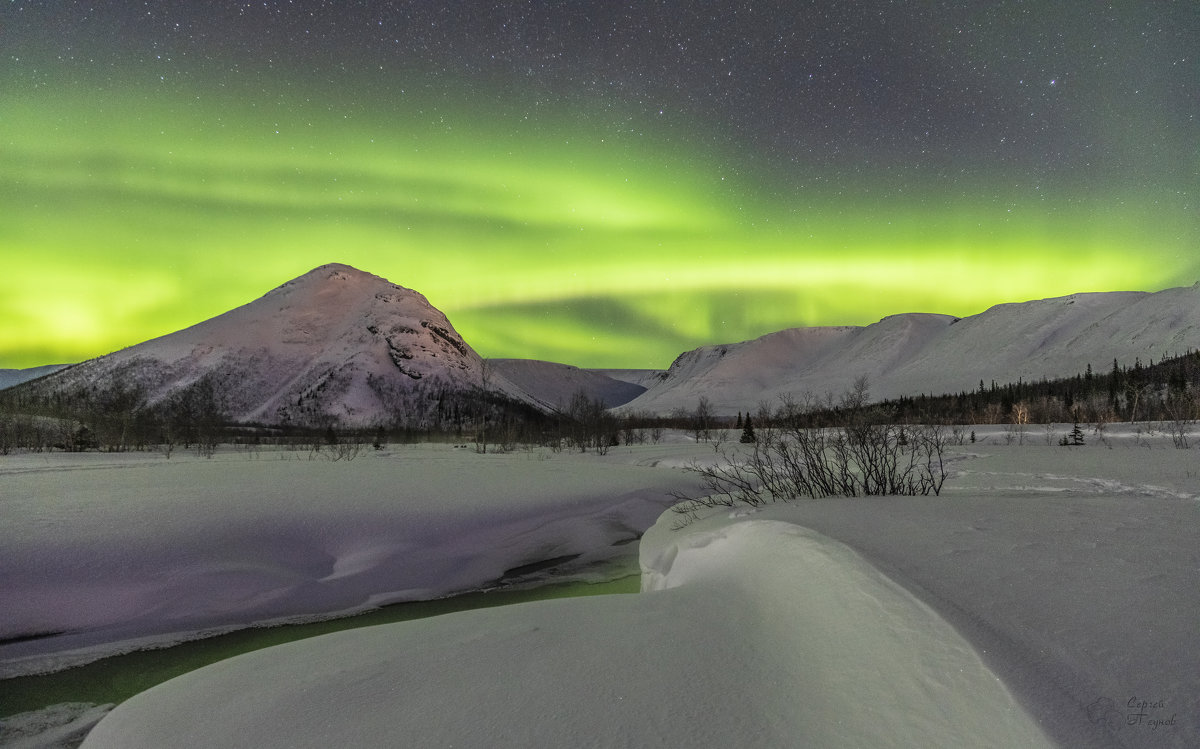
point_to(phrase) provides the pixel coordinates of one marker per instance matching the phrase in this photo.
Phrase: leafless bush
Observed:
(347, 450)
(333, 446)
(718, 440)
(1181, 411)
(1015, 432)
(1180, 430)
(865, 455)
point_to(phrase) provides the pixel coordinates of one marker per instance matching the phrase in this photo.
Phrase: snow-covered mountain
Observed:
(928, 353)
(338, 344)
(643, 378)
(552, 385)
(335, 343)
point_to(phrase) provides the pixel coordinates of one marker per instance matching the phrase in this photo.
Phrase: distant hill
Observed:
(554, 385)
(911, 354)
(643, 378)
(12, 377)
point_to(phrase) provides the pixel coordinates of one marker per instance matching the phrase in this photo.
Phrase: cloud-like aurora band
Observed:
(559, 237)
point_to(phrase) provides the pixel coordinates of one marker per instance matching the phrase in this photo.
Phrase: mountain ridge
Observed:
(914, 353)
(339, 345)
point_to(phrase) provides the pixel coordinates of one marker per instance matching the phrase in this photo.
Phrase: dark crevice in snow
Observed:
(30, 637)
(510, 575)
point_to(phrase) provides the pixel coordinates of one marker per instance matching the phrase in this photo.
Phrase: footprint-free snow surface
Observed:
(758, 633)
(102, 553)
(1046, 598)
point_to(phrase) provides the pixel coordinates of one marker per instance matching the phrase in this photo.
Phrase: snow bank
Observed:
(1073, 571)
(57, 727)
(757, 633)
(846, 656)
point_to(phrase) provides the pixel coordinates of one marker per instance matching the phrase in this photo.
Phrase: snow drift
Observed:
(757, 634)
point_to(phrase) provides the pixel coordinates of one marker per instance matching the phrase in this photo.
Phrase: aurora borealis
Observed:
(603, 184)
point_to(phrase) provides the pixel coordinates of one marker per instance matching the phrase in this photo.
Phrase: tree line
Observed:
(1166, 390)
(122, 417)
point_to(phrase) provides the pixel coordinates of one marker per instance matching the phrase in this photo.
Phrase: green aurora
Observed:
(130, 213)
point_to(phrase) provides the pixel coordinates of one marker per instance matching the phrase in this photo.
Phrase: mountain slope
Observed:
(13, 377)
(335, 344)
(553, 385)
(926, 353)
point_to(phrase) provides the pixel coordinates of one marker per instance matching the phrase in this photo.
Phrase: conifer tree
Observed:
(748, 431)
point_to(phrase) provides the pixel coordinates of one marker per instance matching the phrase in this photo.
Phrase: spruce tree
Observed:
(748, 432)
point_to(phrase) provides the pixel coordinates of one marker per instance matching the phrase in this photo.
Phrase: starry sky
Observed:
(600, 183)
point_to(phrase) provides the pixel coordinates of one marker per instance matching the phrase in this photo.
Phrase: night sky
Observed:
(598, 183)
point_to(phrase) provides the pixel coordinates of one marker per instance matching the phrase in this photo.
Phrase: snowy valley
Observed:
(1027, 606)
(1044, 597)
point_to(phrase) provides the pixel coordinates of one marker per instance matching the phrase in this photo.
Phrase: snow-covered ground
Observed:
(101, 552)
(1047, 597)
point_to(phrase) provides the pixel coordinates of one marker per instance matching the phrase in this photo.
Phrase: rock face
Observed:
(335, 344)
(934, 354)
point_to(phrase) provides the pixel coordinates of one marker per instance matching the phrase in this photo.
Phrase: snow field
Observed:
(115, 552)
(1069, 573)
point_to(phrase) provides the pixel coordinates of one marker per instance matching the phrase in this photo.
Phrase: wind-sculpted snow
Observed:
(752, 633)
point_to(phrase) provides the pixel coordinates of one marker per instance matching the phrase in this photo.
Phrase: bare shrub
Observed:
(1180, 410)
(865, 455)
(346, 450)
